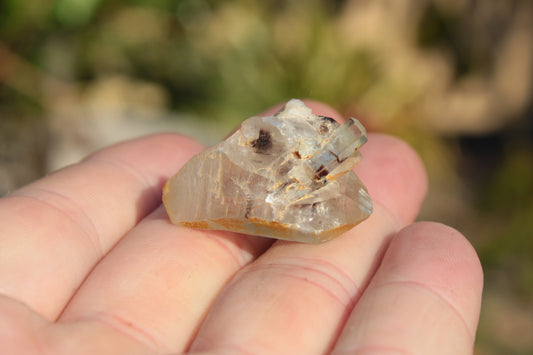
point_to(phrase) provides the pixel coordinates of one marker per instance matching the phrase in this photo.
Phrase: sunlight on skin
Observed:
(91, 264)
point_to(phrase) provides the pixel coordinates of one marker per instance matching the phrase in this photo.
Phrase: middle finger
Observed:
(295, 297)
(156, 284)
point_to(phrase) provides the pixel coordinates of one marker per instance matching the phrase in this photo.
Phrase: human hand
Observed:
(89, 263)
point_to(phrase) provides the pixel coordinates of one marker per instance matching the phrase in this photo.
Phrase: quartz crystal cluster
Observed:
(287, 176)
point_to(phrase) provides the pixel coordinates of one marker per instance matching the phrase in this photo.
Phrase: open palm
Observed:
(89, 263)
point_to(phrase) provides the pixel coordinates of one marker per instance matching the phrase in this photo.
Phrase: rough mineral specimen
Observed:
(287, 176)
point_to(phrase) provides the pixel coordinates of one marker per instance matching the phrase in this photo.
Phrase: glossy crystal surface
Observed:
(287, 176)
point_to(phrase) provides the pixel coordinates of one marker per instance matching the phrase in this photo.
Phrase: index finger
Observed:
(56, 229)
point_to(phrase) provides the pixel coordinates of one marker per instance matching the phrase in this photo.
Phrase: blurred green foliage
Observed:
(250, 55)
(507, 207)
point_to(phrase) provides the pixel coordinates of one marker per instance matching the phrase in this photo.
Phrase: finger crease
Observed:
(132, 331)
(320, 273)
(425, 287)
(372, 349)
(66, 206)
(394, 220)
(236, 254)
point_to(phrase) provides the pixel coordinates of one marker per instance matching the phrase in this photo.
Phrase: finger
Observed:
(296, 297)
(23, 331)
(53, 231)
(156, 284)
(424, 299)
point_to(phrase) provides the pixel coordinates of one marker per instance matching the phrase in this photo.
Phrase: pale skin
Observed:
(90, 264)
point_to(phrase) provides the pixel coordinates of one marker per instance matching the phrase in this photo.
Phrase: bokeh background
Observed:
(452, 77)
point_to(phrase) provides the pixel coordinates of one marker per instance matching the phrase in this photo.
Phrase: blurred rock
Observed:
(109, 110)
(426, 79)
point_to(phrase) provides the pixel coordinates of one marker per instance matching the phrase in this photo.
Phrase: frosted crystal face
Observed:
(287, 176)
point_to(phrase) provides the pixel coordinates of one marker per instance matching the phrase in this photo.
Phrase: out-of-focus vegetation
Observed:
(454, 78)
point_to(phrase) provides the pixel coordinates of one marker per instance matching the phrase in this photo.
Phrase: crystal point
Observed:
(287, 176)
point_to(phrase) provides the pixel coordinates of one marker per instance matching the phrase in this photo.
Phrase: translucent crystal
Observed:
(287, 176)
